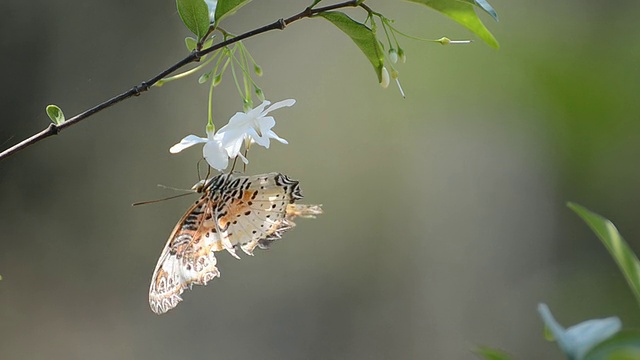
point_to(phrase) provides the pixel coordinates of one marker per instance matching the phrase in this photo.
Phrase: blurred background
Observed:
(445, 221)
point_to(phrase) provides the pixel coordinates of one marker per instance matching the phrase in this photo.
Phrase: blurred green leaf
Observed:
(463, 12)
(491, 354)
(207, 44)
(623, 346)
(190, 43)
(362, 35)
(618, 248)
(228, 7)
(195, 16)
(55, 114)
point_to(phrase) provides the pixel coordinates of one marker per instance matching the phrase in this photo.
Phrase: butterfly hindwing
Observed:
(234, 211)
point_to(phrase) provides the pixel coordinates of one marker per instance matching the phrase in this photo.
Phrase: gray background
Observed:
(445, 219)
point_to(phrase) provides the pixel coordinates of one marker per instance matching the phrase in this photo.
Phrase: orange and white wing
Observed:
(187, 258)
(254, 208)
(235, 211)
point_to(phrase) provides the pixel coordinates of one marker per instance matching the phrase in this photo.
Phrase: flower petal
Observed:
(273, 135)
(243, 158)
(260, 139)
(258, 110)
(266, 123)
(188, 141)
(280, 104)
(215, 155)
(238, 119)
(231, 141)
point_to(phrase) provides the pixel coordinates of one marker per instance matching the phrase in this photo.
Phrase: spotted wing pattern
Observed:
(234, 212)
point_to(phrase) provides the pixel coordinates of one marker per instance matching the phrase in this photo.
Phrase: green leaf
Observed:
(55, 114)
(362, 35)
(207, 44)
(462, 11)
(618, 248)
(491, 354)
(191, 43)
(195, 16)
(228, 7)
(625, 345)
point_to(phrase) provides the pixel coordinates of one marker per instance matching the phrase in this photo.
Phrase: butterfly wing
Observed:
(187, 258)
(235, 211)
(253, 208)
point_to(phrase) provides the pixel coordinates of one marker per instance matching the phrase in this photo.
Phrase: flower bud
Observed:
(402, 56)
(393, 55)
(444, 40)
(217, 79)
(257, 69)
(447, 41)
(204, 77)
(259, 94)
(384, 78)
(247, 105)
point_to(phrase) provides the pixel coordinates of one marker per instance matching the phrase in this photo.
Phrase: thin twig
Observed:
(195, 56)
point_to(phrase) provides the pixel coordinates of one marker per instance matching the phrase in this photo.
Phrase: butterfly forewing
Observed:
(234, 211)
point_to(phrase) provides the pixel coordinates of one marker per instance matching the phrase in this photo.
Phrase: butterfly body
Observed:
(234, 212)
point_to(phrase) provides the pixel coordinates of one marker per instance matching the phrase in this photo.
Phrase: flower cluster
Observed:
(253, 126)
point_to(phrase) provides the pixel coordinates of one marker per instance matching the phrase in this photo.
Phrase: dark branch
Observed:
(195, 56)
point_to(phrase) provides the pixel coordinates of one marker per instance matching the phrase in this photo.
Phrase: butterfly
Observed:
(234, 212)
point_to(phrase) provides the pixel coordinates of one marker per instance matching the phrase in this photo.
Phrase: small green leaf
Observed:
(618, 248)
(207, 44)
(362, 35)
(191, 43)
(462, 11)
(195, 16)
(625, 345)
(228, 7)
(491, 354)
(55, 114)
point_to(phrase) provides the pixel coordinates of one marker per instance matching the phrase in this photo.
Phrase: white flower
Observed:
(249, 127)
(212, 9)
(212, 151)
(577, 340)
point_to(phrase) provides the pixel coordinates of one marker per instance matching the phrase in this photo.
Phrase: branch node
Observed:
(282, 24)
(139, 89)
(53, 129)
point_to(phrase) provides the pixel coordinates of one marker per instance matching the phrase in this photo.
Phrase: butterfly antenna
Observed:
(198, 169)
(163, 199)
(174, 188)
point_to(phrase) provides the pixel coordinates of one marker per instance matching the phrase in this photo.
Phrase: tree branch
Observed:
(195, 56)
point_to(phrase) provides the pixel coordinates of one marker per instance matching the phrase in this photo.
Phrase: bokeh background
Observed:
(445, 219)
